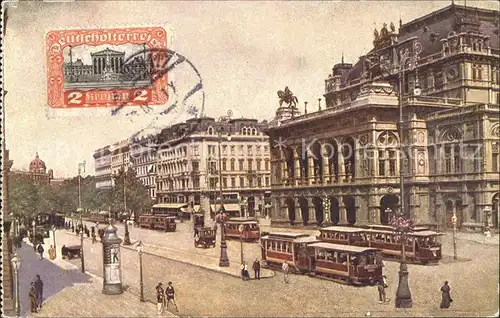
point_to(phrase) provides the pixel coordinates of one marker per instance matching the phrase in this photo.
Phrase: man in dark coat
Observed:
(381, 286)
(32, 296)
(39, 291)
(170, 292)
(39, 249)
(256, 269)
(160, 298)
(446, 296)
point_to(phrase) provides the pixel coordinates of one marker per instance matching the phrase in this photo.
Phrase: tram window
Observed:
(287, 249)
(268, 246)
(362, 260)
(342, 258)
(328, 256)
(354, 260)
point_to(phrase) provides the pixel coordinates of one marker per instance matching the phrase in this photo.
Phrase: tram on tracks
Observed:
(250, 227)
(421, 246)
(158, 222)
(99, 217)
(306, 254)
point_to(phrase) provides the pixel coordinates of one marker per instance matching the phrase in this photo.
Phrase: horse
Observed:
(288, 98)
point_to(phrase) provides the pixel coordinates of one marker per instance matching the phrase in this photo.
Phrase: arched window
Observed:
(210, 130)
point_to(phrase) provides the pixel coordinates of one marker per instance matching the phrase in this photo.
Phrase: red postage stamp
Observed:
(106, 67)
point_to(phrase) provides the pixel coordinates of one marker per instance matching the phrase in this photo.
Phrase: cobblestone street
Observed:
(204, 292)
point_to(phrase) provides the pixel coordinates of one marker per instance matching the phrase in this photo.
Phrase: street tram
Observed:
(250, 227)
(306, 254)
(278, 248)
(158, 222)
(165, 223)
(99, 217)
(345, 264)
(421, 246)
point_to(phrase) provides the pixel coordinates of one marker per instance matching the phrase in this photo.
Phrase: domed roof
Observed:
(37, 164)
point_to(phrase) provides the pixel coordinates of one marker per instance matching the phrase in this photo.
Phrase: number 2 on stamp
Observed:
(75, 98)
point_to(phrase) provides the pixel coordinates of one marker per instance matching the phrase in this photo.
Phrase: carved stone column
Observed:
(341, 167)
(298, 212)
(298, 173)
(310, 167)
(311, 211)
(326, 168)
(342, 212)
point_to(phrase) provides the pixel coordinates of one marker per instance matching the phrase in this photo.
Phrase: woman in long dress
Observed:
(446, 297)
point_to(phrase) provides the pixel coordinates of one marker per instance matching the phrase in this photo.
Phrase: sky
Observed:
(244, 52)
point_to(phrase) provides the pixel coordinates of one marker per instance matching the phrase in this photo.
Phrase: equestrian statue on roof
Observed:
(287, 97)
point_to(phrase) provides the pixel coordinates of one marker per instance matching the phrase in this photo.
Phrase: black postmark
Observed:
(157, 63)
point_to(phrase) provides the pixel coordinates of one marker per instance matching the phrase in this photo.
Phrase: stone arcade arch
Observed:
(318, 209)
(317, 160)
(332, 151)
(334, 210)
(290, 204)
(350, 206)
(349, 155)
(304, 209)
(389, 201)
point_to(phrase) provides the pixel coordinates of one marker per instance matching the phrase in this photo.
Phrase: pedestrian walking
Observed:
(244, 271)
(285, 269)
(52, 253)
(160, 299)
(381, 286)
(446, 295)
(40, 250)
(32, 297)
(72, 228)
(39, 291)
(256, 269)
(170, 292)
(94, 238)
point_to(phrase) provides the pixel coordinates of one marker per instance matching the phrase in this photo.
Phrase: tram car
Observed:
(250, 227)
(421, 246)
(71, 252)
(99, 217)
(158, 222)
(305, 254)
(165, 223)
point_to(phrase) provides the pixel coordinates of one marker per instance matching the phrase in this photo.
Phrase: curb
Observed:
(130, 247)
(273, 274)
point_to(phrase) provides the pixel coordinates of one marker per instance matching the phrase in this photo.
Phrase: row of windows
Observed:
(212, 150)
(246, 131)
(212, 168)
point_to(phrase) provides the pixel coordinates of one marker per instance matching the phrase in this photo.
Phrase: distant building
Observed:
(120, 157)
(143, 160)
(37, 172)
(103, 173)
(189, 168)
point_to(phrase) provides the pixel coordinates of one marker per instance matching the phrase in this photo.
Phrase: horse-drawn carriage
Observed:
(71, 251)
(205, 237)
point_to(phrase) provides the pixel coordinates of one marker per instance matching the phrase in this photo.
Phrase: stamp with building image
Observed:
(105, 67)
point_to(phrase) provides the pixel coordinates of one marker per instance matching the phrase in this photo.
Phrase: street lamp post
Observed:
(141, 280)
(403, 294)
(16, 264)
(81, 166)
(33, 223)
(54, 238)
(454, 221)
(240, 229)
(267, 207)
(81, 252)
(222, 216)
(126, 239)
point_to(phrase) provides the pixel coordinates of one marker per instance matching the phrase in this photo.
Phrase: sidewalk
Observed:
(476, 237)
(70, 293)
(187, 257)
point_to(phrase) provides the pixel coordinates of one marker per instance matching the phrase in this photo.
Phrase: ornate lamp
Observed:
(403, 225)
(222, 218)
(16, 265)
(140, 248)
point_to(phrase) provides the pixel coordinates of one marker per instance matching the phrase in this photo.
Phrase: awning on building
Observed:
(169, 205)
(195, 209)
(227, 206)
